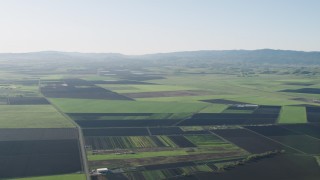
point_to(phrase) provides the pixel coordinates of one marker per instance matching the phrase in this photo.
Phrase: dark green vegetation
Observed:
(173, 118)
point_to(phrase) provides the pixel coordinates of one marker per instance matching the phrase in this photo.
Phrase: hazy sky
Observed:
(147, 26)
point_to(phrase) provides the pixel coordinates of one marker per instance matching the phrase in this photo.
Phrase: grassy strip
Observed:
(214, 108)
(111, 106)
(137, 155)
(191, 128)
(238, 111)
(56, 177)
(145, 88)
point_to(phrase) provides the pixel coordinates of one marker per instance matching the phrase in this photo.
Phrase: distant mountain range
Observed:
(226, 56)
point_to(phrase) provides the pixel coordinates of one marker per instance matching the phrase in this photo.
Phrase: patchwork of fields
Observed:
(151, 124)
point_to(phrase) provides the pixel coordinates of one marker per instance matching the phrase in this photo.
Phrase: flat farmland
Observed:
(294, 167)
(32, 116)
(304, 90)
(124, 142)
(25, 82)
(159, 158)
(55, 177)
(26, 134)
(308, 129)
(114, 83)
(223, 101)
(27, 101)
(186, 99)
(268, 99)
(205, 140)
(250, 141)
(293, 114)
(38, 151)
(240, 109)
(138, 141)
(298, 83)
(313, 114)
(106, 116)
(108, 106)
(145, 122)
(83, 92)
(267, 110)
(3, 101)
(116, 132)
(181, 141)
(142, 77)
(296, 140)
(174, 131)
(166, 94)
(170, 170)
(127, 123)
(130, 88)
(272, 130)
(36, 157)
(166, 131)
(229, 119)
(214, 108)
(169, 165)
(301, 142)
(262, 90)
(141, 155)
(127, 116)
(77, 88)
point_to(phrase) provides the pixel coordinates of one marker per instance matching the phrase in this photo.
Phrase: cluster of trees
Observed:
(250, 158)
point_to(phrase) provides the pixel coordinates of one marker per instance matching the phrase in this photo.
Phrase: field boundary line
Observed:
(192, 114)
(228, 141)
(279, 116)
(300, 133)
(83, 155)
(82, 150)
(275, 141)
(176, 124)
(149, 131)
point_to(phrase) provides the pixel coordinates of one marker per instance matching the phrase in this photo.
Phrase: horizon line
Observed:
(167, 52)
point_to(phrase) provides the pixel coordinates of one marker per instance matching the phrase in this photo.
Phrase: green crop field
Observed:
(214, 108)
(109, 106)
(145, 88)
(32, 116)
(293, 114)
